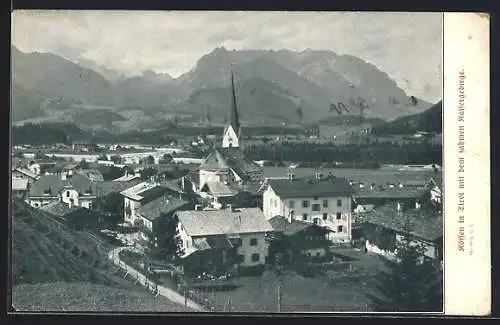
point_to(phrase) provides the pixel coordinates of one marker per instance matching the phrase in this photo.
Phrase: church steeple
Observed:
(232, 132)
(233, 113)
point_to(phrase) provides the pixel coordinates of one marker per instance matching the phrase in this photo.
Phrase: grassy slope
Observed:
(48, 259)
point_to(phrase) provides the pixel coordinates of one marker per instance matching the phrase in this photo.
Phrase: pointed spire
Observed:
(233, 113)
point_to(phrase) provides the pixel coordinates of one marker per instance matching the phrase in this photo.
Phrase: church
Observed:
(226, 172)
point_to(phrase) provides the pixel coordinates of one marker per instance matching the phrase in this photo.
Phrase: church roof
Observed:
(229, 158)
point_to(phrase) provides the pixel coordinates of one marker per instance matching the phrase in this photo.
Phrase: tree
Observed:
(411, 282)
(163, 241)
(110, 172)
(150, 160)
(84, 164)
(146, 173)
(112, 207)
(116, 159)
(167, 158)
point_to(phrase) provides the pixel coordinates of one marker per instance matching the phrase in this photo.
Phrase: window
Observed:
(240, 258)
(305, 203)
(316, 221)
(304, 216)
(291, 204)
(325, 203)
(339, 216)
(318, 254)
(339, 203)
(255, 257)
(340, 229)
(236, 242)
(316, 207)
(325, 216)
(67, 193)
(315, 198)
(90, 205)
(253, 241)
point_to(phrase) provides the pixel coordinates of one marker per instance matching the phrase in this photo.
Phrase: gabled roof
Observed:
(60, 209)
(220, 189)
(332, 186)
(80, 183)
(389, 193)
(19, 184)
(146, 191)
(281, 224)
(107, 187)
(425, 225)
(162, 205)
(220, 222)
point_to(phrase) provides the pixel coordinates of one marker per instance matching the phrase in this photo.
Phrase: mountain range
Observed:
(272, 87)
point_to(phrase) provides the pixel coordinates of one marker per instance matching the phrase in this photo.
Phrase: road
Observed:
(165, 292)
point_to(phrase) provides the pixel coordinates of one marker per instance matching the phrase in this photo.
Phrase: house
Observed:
(361, 208)
(92, 173)
(151, 215)
(77, 190)
(228, 165)
(219, 239)
(383, 228)
(20, 188)
(324, 201)
(25, 173)
(138, 195)
(296, 238)
(75, 217)
(40, 167)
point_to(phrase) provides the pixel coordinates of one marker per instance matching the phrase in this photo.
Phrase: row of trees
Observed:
(382, 152)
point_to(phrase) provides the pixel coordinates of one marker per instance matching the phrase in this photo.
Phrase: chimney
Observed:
(290, 217)
(291, 176)
(371, 187)
(197, 207)
(229, 207)
(319, 176)
(70, 203)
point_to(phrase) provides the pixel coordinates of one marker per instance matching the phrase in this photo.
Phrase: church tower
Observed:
(232, 132)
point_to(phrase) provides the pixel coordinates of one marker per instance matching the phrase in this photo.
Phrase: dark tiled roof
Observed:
(332, 186)
(426, 225)
(152, 194)
(80, 183)
(162, 205)
(220, 189)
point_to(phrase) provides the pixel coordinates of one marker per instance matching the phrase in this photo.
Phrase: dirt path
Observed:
(165, 292)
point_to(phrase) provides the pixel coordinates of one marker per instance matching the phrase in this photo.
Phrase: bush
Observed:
(256, 270)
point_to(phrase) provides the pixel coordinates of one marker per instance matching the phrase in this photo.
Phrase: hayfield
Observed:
(88, 297)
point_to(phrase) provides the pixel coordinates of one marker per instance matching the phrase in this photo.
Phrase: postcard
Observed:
(175, 162)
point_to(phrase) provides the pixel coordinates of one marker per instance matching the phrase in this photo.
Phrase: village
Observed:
(200, 224)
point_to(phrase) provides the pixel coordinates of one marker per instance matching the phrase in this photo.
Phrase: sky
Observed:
(407, 46)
